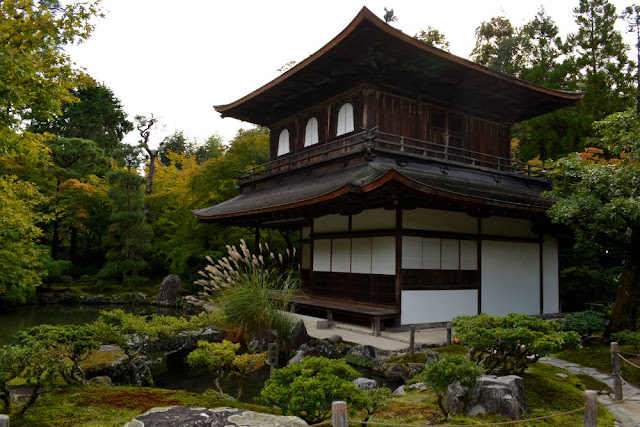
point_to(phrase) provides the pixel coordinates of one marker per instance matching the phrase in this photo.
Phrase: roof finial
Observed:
(389, 16)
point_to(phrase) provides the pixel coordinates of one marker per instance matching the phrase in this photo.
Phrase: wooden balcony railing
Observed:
(372, 141)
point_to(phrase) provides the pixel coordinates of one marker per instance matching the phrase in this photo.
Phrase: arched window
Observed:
(283, 143)
(345, 119)
(311, 132)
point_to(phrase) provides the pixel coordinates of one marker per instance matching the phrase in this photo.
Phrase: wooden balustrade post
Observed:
(4, 420)
(590, 408)
(412, 339)
(448, 333)
(617, 371)
(339, 414)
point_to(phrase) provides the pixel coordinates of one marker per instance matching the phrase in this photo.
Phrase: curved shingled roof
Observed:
(369, 50)
(311, 192)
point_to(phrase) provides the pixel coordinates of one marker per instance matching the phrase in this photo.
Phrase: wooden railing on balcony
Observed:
(372, 141)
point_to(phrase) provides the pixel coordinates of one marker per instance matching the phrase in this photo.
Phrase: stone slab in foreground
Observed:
(182, 416)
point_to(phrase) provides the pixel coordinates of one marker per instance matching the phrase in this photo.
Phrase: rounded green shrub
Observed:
(308, 388)
(584, 323)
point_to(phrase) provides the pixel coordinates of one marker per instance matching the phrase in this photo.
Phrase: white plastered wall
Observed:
(437, 220)
(437, 306)
(551, 287)
(508, 227)
(510, 277)
(363, 255)
(331, 224)
(374, 219)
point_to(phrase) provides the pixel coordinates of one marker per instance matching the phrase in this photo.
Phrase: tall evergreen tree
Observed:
(129, 236)
(97, 116)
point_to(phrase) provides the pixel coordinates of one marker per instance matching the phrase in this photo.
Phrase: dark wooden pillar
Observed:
(256, 238)
(398, 279)
(479, 261)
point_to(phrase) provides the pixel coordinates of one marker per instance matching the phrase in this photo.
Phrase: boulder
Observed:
(47, 299)
(260, 340)
(418, 387)
(101, 379)
(323, 348)
(399, 391)
(135, 371)
(170, 290)
(365, 383)
(65, 297)
(296, 358)
(181, 416)
(498, 395)
(298, 336)
(335, 339)
(395, 372)
(368, 351)
(431, 356)
(94, 299)
(192, 305)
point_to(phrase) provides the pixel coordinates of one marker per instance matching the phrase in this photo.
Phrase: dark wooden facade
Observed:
(394, 114)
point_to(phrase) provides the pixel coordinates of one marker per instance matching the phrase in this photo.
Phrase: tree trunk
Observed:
(625, 309)
(55, 240)
(73, 247)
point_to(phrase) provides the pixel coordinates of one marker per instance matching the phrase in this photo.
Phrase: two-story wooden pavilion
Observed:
(393, 158)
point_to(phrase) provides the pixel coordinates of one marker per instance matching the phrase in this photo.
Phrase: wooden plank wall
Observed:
(395, 115)
(368, 288)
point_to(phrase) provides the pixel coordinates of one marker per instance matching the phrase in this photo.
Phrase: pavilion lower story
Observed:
(431, 265)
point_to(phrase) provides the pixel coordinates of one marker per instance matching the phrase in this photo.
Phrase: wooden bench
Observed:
(373, 311)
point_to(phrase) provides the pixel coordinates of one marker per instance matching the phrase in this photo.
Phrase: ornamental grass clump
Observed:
(253, 291)
(507, 345)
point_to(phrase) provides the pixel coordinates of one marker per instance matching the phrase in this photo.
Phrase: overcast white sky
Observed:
(178, 59)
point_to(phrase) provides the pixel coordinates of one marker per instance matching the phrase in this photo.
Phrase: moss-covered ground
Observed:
(597, 354)
(111, 406)
(546, 394)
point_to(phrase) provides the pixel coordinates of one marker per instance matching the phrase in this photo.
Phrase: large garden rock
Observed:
(135, 371)
(170, 290)
(192, 305)
(298, 336)
(181, 416)
(368, 351)
(260, 340)
(498, 395)
(365, 383)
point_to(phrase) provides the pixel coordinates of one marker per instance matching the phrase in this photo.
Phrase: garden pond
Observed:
(172, 373)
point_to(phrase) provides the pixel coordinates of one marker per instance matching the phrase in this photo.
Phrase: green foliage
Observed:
(21, 257)
(376, 400)
(221, 360)
(584, 323)
(356, 360)
(97, 116)
(71, 341)
(41, 356)
(447, 370)
(129, 235)
(37, 74)
(433, 37)
(598, 197)
(252, 291)
(118, 327)
(627, 337)
(506, 345)
(308, 388)
(592, 283)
